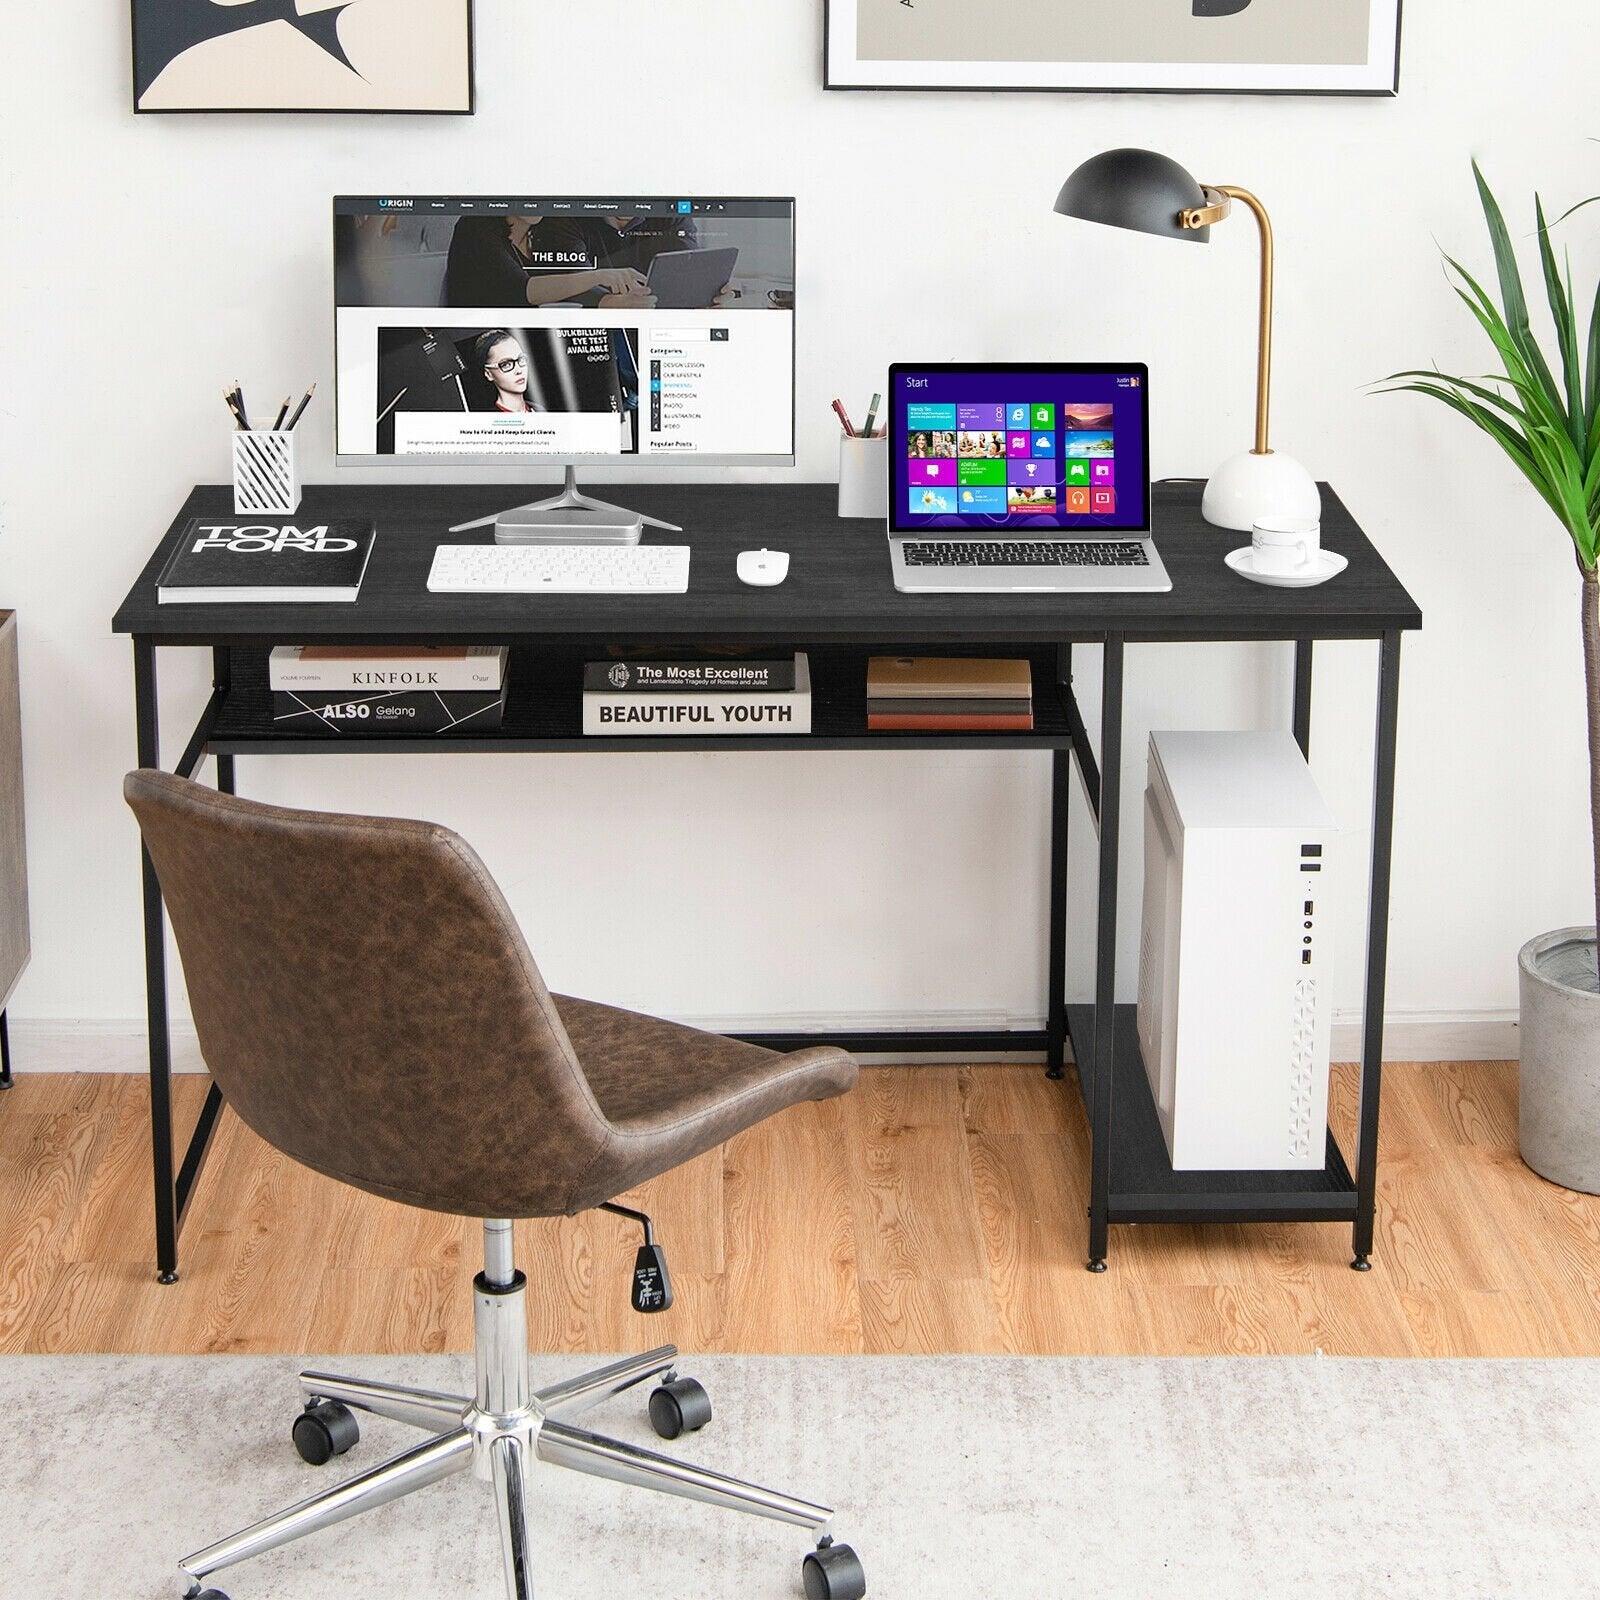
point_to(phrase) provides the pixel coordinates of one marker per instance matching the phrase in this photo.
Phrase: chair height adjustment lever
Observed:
(652, 1288)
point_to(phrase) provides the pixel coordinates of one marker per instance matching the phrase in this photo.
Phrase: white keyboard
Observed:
(560, 569)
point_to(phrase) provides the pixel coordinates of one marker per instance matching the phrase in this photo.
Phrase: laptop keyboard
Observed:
(1019, 553)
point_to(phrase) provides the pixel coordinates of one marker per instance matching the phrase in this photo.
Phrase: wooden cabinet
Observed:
(13, 852)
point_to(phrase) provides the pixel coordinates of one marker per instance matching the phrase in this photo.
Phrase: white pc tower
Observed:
(1233, 1009)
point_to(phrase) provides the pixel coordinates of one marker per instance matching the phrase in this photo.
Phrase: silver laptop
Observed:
(1026, 478)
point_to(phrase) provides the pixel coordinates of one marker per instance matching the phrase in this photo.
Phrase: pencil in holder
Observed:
(266, 474)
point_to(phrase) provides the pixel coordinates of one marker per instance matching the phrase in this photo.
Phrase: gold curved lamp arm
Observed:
(1219, 203)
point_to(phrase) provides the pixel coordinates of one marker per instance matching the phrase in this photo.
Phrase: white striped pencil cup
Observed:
(266, 474)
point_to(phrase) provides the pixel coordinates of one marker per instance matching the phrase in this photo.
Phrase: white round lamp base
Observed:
(1247, 486)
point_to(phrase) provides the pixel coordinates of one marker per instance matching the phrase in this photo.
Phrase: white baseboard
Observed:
(118, 1045)
(108, 1045)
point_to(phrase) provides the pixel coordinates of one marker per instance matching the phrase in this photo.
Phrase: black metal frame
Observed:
(1105, 1040)
(1067, 88)
(840, 607)
(1106, 1056)
(220, 737)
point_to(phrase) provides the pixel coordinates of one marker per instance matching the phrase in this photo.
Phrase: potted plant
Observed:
(1549, 425)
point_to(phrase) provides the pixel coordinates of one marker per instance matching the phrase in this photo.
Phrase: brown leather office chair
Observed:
(366, 1003)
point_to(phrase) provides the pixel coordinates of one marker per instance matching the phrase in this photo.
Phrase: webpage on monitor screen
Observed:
(561, 325)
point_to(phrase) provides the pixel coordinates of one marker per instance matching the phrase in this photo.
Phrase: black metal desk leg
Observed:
(1377, 946)
(1056, 978)
(5, 1053)
(1056, 982)
(155, 971)
(1302, 696)
(221, 680)
(1105, 952)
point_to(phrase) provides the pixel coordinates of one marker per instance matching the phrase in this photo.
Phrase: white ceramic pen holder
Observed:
(863, 476)
(266, 473)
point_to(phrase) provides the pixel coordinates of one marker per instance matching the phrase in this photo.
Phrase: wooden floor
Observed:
(936, 1209)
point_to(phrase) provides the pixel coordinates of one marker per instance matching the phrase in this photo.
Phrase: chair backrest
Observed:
(366, 1002)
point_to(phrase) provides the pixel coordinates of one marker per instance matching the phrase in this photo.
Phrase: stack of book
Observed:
(343, 689)
(949, 692)
(697, 698)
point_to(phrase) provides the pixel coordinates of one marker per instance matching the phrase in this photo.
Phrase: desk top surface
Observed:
(838, 589)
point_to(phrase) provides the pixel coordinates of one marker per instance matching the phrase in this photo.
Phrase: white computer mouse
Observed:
(762, 566)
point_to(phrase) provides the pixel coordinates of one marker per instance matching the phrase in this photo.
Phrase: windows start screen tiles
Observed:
(1025, 456)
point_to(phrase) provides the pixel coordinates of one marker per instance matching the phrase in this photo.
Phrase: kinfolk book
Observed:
(701, 713)
(218, 561)
(446, 667)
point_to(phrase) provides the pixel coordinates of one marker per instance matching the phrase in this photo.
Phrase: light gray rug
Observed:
(966, 1477)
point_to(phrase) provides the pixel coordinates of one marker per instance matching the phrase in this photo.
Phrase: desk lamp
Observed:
(1151, 193)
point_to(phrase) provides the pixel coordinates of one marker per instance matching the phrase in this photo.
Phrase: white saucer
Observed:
(1328, 564)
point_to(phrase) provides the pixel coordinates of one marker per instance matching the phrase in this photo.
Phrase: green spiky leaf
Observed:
(1549, 427)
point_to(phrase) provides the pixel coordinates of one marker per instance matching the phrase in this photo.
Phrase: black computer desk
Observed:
(839, 605)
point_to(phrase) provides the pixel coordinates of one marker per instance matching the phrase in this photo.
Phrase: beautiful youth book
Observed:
(700, 713)
(218, 561)
(630, 676)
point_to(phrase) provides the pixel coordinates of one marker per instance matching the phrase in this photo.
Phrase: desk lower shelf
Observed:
(1144, 1187)
(544, 711)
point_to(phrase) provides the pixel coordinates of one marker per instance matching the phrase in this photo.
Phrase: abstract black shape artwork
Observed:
(302, 55)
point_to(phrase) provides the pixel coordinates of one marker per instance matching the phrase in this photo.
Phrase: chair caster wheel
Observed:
(323, 1431)
(833, 1572)
(205, 1594)
(679, 1407)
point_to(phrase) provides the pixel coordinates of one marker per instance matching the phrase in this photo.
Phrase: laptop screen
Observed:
(1019, 449)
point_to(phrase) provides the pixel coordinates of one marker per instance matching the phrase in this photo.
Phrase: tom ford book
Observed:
(219, 561)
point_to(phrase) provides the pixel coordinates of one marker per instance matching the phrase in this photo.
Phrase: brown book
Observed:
(383, 652)
(948, 678)
(949, 722)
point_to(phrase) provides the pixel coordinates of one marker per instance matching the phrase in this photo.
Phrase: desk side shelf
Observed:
(1144, 1186)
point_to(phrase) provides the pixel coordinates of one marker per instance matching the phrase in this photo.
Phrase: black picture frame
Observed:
(168, 32)
(844, 69)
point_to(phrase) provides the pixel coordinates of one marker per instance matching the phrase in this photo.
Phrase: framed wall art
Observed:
(1220, 46)
(302, 55)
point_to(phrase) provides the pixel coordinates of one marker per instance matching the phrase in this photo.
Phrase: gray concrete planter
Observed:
(1560, 1117)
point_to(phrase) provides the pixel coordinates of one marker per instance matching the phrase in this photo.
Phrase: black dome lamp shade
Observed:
(1150, 193)
(1137, 189)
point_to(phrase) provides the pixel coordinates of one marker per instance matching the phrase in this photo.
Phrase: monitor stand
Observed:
(570, 517)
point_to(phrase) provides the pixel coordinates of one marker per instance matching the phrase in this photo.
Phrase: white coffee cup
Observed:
(1283, 546)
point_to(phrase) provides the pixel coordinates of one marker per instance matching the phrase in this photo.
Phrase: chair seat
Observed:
(672, 1092)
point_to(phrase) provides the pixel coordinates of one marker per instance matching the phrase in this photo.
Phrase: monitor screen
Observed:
(543, 325)
(1022, 447)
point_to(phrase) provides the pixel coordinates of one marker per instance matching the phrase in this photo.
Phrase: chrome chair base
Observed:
(496, 1433)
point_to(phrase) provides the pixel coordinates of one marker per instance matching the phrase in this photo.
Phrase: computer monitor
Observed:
(502, 329)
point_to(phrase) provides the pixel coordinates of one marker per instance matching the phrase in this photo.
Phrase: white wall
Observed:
(147, 261)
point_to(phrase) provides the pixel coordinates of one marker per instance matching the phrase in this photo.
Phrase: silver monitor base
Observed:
(570, 517)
